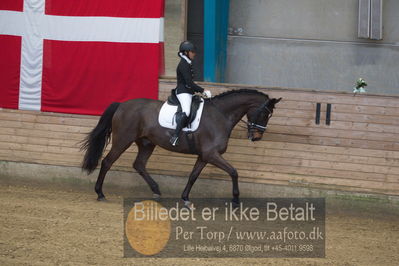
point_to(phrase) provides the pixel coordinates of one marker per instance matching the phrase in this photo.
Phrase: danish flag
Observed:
(78, 56)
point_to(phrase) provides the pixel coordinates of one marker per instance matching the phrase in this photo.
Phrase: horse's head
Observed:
(258, 118)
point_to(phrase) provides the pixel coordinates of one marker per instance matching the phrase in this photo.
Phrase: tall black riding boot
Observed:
(181, 121)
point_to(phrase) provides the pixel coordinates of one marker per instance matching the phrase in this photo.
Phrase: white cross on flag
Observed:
(78, 56)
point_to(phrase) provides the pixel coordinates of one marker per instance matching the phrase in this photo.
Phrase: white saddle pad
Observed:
(167, 117)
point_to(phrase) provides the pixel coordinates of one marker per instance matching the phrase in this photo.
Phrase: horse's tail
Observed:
(95, 142)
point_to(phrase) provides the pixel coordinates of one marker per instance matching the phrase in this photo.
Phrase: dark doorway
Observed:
(195, 33)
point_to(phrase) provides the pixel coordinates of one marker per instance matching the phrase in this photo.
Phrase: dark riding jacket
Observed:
(185, 83)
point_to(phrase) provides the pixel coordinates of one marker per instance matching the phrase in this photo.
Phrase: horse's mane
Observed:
(240, 91)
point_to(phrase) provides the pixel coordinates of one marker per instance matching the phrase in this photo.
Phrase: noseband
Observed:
(252, 125)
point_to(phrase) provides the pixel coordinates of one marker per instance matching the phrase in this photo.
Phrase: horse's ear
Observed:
(275, 101)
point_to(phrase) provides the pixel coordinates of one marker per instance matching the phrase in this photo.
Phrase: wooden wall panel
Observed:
(358, 151)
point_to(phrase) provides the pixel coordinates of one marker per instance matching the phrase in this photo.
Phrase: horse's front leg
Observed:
(199, 165)
(217, 160)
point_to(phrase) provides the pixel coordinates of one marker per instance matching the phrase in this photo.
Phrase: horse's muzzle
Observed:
(255, 136)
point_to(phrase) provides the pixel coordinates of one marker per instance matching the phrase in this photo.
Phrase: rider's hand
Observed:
(207, 94)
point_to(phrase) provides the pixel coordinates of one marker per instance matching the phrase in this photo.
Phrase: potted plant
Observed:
(359, 87)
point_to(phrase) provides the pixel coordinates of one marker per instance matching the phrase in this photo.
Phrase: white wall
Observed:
(311, 44)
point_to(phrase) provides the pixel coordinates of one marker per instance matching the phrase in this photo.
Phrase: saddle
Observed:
(195, 104)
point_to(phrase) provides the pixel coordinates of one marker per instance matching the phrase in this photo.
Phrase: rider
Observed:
(185, 87)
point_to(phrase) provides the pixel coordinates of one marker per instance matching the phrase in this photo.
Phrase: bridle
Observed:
(252, 125)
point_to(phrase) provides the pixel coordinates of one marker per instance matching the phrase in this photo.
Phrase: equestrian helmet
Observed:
(187, 46)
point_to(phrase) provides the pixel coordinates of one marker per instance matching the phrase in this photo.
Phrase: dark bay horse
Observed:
(137, 121)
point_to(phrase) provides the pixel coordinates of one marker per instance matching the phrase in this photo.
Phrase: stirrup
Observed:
(174, 141)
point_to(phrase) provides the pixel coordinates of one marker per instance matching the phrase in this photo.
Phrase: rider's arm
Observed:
(186, 73)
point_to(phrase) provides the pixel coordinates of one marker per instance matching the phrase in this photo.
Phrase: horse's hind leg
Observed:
(113, 155)
(146, 148)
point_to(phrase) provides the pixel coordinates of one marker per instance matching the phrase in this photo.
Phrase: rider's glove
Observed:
(207, 94)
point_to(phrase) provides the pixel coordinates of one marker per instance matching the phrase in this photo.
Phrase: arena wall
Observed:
(357, 152)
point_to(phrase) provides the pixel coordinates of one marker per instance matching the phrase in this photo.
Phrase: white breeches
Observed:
(185, 102)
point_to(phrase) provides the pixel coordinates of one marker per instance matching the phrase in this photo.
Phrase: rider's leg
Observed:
(181, 118)
(185, 102)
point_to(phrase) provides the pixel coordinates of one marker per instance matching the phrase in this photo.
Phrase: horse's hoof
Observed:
(189, 205)
(102, 198)
(235, 204)
(156, 196)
